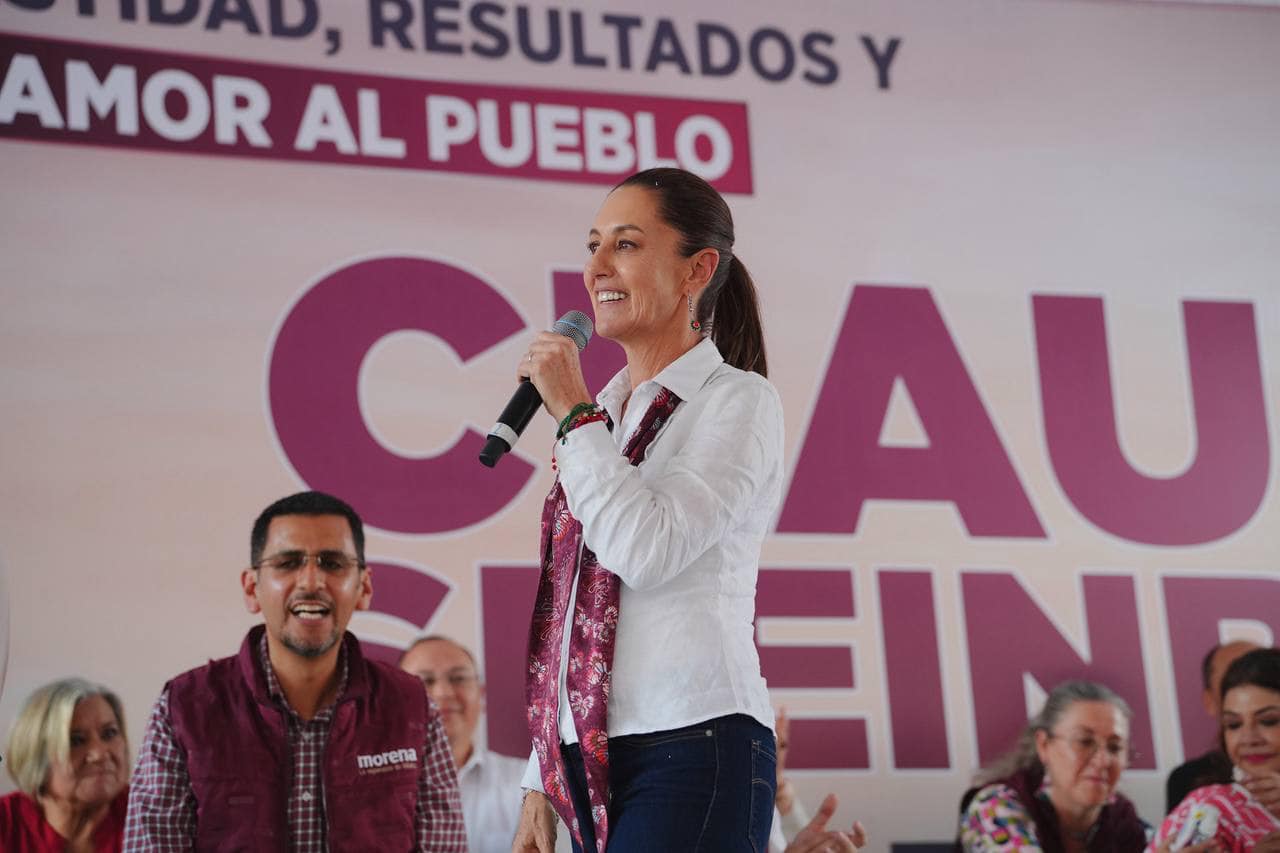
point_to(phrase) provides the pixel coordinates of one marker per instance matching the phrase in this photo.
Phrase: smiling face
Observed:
(97, 766)
(307, 584)
(1084, 754)
(639, 282)
(1251, 728)
(450, 679)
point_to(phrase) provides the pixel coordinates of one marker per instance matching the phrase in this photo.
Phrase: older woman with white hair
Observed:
(1055, 792)
(68, 755)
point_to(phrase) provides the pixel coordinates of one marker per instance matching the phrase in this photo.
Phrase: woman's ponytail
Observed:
(735, 319)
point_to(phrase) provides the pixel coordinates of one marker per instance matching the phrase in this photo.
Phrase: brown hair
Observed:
(728, 306)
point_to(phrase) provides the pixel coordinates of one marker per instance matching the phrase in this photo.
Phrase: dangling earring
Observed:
(693, 318)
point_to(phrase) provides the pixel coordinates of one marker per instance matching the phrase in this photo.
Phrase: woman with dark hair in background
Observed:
(1056, 790)
(1231, 816)
(651, 724)
(69, 757)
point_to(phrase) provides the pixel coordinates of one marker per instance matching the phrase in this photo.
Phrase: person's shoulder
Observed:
(999, 802)
(729, 384)
(15, 804)
(1211, 768)
(727, 376)
(997, 794)
(19, 815)
(207, 676)
(997, 814)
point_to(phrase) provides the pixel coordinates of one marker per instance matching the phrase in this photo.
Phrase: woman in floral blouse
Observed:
(1056, 791)
(1231, 815)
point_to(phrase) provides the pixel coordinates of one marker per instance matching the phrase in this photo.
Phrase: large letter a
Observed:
(890, 333)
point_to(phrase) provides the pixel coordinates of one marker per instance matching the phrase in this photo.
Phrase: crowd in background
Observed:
(68, 753)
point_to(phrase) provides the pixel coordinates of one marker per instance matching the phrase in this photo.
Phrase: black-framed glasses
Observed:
(335, 562)
(1086, 747)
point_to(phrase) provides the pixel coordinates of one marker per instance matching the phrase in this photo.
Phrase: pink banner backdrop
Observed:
(1017, 265)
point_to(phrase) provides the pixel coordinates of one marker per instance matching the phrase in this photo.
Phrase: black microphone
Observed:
(525, 402)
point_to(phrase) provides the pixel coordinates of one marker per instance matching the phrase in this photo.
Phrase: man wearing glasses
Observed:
(298, 742)
(490, 782)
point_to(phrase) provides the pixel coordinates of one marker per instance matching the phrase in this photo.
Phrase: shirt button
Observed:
(306, 796)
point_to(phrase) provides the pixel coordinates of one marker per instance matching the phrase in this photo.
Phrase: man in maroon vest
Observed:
(298, 742)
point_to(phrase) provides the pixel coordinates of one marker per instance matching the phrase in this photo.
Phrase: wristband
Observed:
(573, 413)
(583, 413)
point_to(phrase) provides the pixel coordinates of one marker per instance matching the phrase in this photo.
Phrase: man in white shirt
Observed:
(489, 782)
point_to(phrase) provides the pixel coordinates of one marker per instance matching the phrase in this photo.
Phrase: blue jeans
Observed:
(704, 788)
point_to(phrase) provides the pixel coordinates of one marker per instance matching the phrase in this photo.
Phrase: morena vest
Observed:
(236, 741)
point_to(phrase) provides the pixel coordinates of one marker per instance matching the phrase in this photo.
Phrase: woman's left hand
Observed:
(553, 365)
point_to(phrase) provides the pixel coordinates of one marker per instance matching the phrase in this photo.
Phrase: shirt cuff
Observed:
(582, 452)
(532, 779)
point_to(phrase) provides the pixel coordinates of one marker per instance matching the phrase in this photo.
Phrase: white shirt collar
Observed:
(684, 377)
(474, 760)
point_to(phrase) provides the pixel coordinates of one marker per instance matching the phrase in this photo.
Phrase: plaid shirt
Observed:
(162, 806)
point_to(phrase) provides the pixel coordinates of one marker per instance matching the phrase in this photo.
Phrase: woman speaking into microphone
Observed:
(651, 724)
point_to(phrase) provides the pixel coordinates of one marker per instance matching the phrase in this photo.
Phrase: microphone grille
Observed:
(576, 326)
